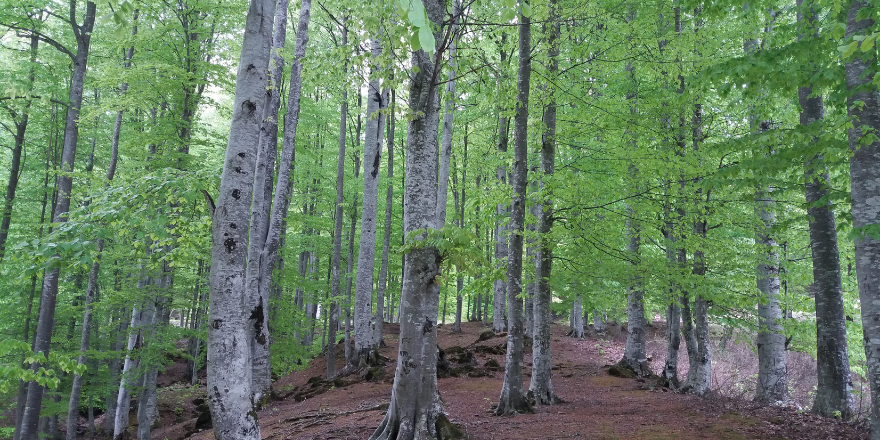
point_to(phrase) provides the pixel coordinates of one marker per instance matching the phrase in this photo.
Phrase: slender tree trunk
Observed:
(386, 244)
(349, 354)
(147, 401)
(230, 328)
(92, 288)
(499, 313)
(540, 388)
(415, 411)
(364, 336)
(864, 108)
(513, 397)
(49, 293)
(15, 168)
(834, 390)
(337, 230)
(634, 357)
(123, 400)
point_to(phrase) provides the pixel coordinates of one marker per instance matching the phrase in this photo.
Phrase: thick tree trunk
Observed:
(834, 390)
(261, 211)
(772, 385)
(364, 334)
(49, 293)
(230, 326)
(513, 397)
(415, 411)
(864, 108)
(540, 388)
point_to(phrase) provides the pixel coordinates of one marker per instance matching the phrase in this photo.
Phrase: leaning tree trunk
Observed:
(415, 411)
(834, 389)
(864, 109)
(337, 230)
(513, 397)
(364, 333)
(772, 385)
(230, 328)
(261, 211)
(46, 321)
(540, 388)
(18, 146)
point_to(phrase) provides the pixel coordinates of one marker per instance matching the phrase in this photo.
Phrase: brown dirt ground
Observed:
(596, 405)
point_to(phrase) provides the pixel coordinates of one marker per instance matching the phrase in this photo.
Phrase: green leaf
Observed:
(414, 42)
(868, 44)
(508, 15)
(526, 10)
(426, 38)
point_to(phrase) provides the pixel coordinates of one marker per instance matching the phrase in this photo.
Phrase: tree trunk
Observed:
(147, 401)
(772, 385)
(415, 411)
(834, 390)
(364, 335)
(49, 293)
(15, 168)
(864, 108)
(540, 388)
(261, 210)
(499, 313)
(337, 229)
(513, 397)
(386, 244)
(123, 399)
(576, 319)
(230, 326)
(349, 354)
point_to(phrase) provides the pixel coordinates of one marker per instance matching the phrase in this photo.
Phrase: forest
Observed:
(249, 188)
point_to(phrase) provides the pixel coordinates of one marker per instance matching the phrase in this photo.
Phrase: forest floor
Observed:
(595, 404)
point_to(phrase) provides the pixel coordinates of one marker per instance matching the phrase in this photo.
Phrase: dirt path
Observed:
(596, 405)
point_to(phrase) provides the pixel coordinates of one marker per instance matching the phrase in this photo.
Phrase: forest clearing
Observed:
(439, 219)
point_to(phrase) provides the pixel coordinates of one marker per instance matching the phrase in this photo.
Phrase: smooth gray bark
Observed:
(415, 411)
(123, 399)
(48, 295)
(386, 243)
(230, 326)
(576, 319)
(349, 352)
(772, 385)
(834, 389)
(864, 168)
(148, 410)
(364, 333)
(513, 397)
(261, 209)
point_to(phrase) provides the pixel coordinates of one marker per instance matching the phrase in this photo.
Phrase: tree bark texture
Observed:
(49, 293)
(261, 210)
(772, 385)
(834, 389)
(364, 328)
(540, 388)
(415, 411)
(232, 323)
(386, 243)
(863, 106)
(513, 397)
(499, 312)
